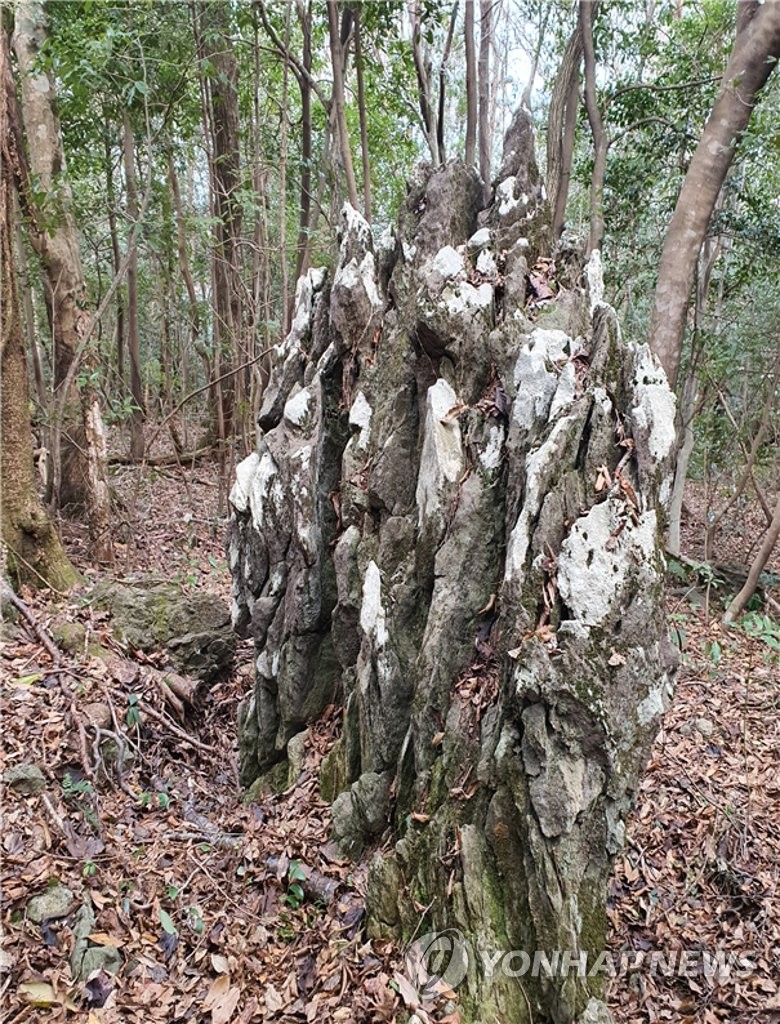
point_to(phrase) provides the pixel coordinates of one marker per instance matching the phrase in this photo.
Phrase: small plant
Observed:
(763, 628)
(295, 895)
(195, 920)
(166, 922)
(133, 716)
(89, 869)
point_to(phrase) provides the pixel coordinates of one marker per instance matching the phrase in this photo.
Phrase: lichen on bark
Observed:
(452, 526)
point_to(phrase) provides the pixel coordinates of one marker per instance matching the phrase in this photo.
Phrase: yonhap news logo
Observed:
(436, 963)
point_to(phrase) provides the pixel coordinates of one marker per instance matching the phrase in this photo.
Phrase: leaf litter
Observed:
(195, 888)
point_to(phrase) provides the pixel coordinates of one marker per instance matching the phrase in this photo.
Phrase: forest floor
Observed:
(228, 912)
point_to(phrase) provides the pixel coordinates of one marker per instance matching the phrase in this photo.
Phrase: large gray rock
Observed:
(193, 629)
(452, 525)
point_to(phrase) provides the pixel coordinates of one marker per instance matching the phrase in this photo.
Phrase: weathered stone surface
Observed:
(55, 902)
(26, 779)
(194, 629)
(87, 957)
(453, 528)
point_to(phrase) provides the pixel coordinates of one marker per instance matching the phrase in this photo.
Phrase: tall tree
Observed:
(80, 462)
(483, 86)
(561, 128)
(337, 66)
(753, 58)
(471, 85)
(31, 548)
(137, 444)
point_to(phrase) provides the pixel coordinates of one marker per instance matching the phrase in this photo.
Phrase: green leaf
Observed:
(167, 922)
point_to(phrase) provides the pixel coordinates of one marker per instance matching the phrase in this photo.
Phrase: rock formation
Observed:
(452, 527)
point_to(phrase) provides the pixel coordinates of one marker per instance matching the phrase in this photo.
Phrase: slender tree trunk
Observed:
(219, 101)
(588, 9)
(79, 458)
(115, 255)
(303, 245)
(32, 551)
(485, 134)
(336, 58)
(28, 306)
(752, 60)
(737, 606)
(471, 85)
(422, 69)
(361, 92)
(561, 128)
(445, 58)
(137, 444)
(184, 263)
(284, 312)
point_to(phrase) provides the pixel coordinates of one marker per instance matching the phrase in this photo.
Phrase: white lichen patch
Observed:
(505, 196)
(245, 471)
(360, 419)
(536, 463)
(354, 227)
(553, 344)
(296, 409)
(486, 264)
(594, 274)
(479, 240)
(565, 392)
(265, 485)
(466, 298)
(654, 406)
(305, 290)
(594, 565)
(372, 612)
(441, 460)
(653, 706)
(448, 262)
(490, 456)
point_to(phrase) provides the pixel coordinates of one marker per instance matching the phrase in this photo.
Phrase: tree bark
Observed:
(336, 59)
(737, 606)
(32, 551)
(471, 85)
(588, 9)
(485, 133)
(79, 463)
(223, 123)
(115, 257)
(422, 70)
(361, 92)
(303, 245)
(561, 128)
(137, 445)
(753, 59)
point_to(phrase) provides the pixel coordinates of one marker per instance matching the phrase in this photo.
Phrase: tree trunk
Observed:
(304, 243)
(223, 122)
(485, 131)
(424, 98)
(361, 92)
(561, 128)
(471, 85)
(753, 59)
(493, 626)
(32, 552)
(137, 444)
(115, 257)
(79, 461)
(588, 9)
(337, 65)
(737, 606)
